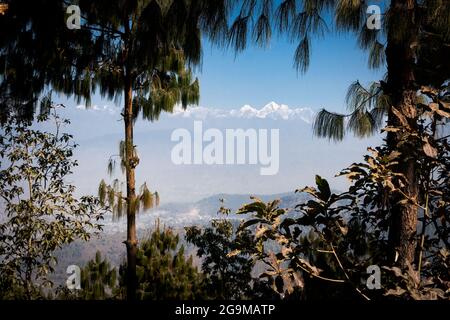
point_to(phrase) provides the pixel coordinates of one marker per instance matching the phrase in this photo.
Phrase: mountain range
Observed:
(174, 215)
(99, 130)
(272, 110)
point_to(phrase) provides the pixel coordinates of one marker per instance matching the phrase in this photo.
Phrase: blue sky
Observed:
(255, 77)
(258, 75)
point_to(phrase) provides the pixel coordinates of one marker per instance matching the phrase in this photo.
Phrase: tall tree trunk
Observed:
(131, 163)
(28, 279)
(401, 88)
(404, 217)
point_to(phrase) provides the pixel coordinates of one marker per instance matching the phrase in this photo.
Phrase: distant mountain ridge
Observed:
(200, 212)
(235, 201)
(272, 110)
(175, 215)
(301, 155)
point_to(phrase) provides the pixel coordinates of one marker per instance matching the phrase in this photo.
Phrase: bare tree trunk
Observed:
(401, 88)
(131, 163)
(409, 212)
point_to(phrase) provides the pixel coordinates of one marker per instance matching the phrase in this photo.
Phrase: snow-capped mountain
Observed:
(271, 110)
(301, 155)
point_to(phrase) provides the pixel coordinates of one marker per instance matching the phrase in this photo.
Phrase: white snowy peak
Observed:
(271, 110)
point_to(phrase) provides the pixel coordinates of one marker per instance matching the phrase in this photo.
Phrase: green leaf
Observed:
(249, 223)
(324, 188)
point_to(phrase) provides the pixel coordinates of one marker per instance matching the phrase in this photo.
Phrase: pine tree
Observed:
(413, 42)
(163, 271)
(142, 51)
(414, 33)
(98, 279)
(38, 54)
